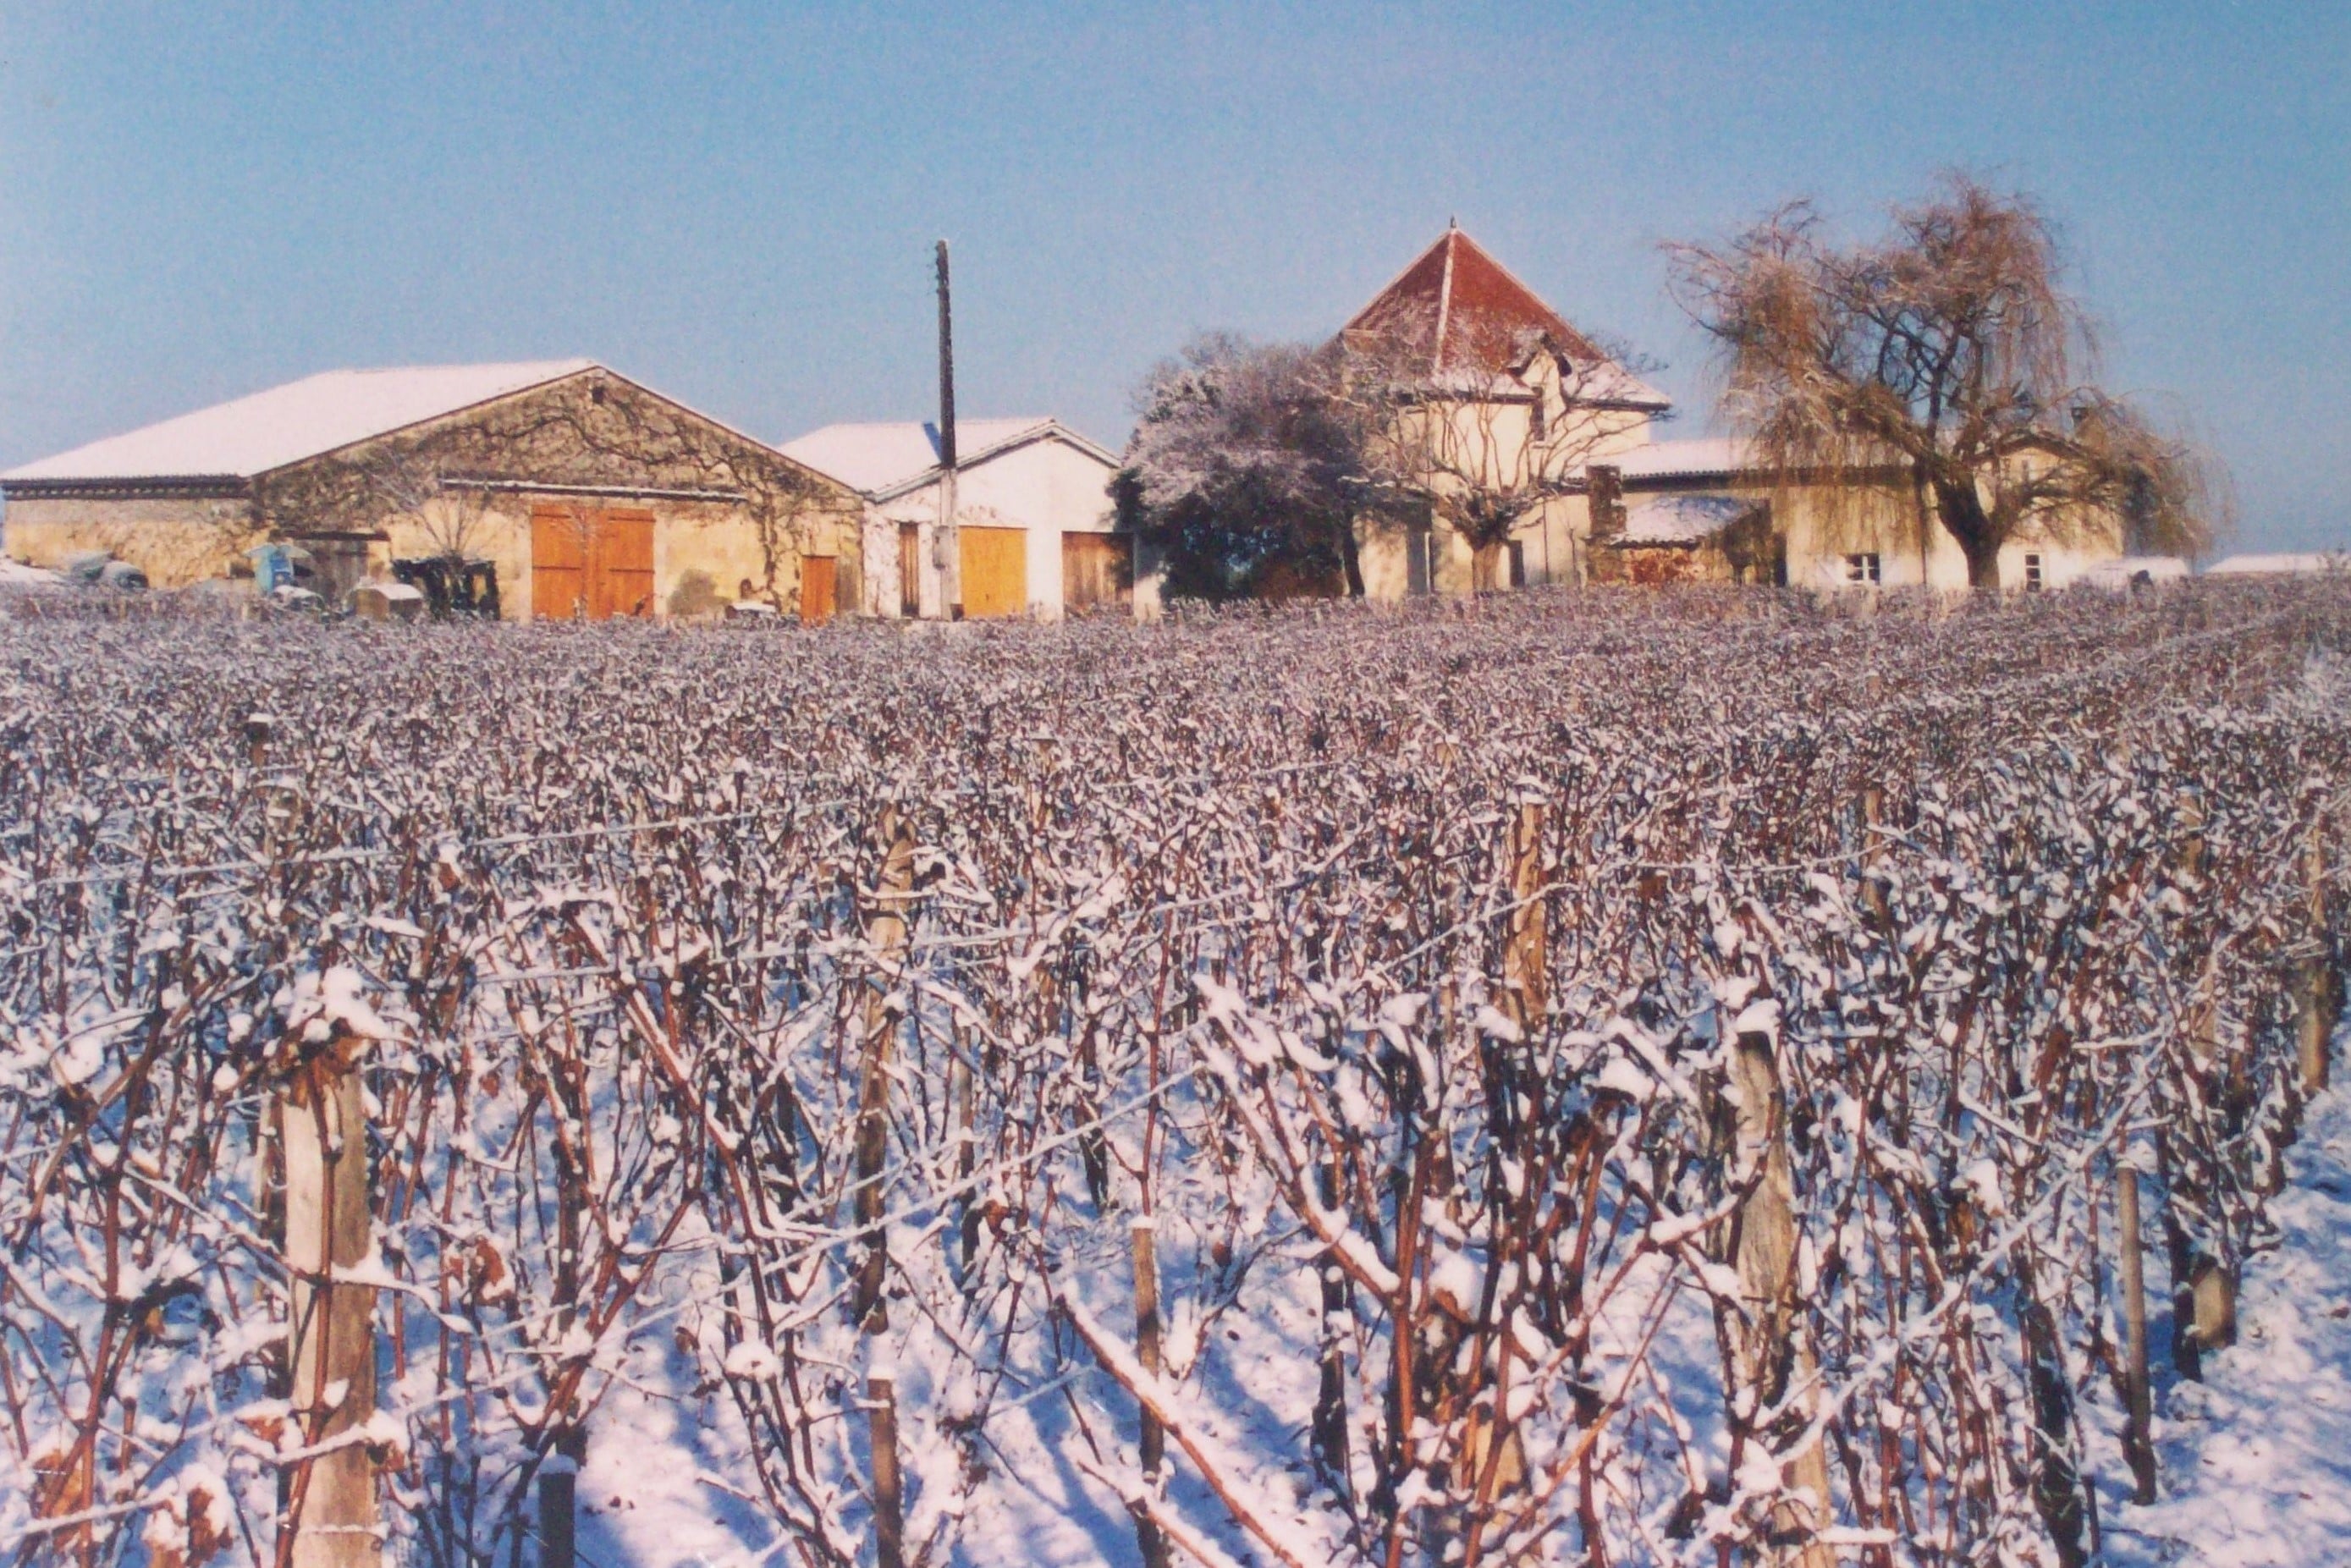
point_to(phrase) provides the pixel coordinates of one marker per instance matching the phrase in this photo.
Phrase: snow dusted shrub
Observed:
(1610, 1079)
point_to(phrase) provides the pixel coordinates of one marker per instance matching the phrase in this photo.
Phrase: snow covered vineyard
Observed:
(1554, 1080)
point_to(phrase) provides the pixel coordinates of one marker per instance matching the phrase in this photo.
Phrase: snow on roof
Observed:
(875, 459)
(2273, 565)
(269, 429)
(1708, 457)
(1680, 520)
(2123, 569)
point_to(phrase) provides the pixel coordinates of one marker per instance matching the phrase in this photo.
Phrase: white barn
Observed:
(1033, 516)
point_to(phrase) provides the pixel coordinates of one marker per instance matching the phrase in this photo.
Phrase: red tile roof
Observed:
(1462, 297)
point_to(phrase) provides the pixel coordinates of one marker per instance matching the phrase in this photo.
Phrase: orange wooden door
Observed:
(1094, 571)
(995, 571)
(816, 589)
(558, 561)
(621, 565)
(910, 570)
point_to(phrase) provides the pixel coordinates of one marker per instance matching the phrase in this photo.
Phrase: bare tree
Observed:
(1946, 359)
(417, 484)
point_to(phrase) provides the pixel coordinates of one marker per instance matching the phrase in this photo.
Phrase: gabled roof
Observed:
(253, 435)
(1457, 294)
(884, 460)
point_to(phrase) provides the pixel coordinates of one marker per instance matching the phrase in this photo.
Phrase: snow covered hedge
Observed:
(1584, 1079)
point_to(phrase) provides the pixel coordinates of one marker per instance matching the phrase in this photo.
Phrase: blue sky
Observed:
(735, 204)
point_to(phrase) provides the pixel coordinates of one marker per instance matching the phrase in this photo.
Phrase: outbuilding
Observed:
(578, 492)
(1033, 531)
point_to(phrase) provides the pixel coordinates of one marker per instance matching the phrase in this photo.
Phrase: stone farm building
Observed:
(1700, 511)
(586, 493)
(1033, 517)
(1536, 452)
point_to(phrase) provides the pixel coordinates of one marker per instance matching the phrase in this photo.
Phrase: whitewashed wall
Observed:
(1047, 487)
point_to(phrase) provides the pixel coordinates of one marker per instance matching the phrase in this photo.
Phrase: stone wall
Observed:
(175, 540)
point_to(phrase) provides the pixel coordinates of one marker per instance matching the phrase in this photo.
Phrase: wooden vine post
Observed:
(1773, 1352)
(1873, 855)
(330, 1519)
(886, 930)
(2319, 1004)
(889, 1485)
(2138, 1444)
(1526, 980)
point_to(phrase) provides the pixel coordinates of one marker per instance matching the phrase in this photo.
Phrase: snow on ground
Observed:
(2256, 1460)
(16, 574)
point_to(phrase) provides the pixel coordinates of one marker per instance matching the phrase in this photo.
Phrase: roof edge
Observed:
(189, 486)
(1047, 428)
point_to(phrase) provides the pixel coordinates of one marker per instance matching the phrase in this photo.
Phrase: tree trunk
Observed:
(1962, 514)
(1351, 556)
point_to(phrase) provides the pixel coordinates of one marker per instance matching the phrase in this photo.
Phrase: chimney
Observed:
(1605, 483)
(1603, 489)
(946, 549)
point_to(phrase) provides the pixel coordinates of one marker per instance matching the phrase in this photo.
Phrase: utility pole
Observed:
(946, 546)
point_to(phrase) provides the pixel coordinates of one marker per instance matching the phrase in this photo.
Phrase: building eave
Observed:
(614, 492)
(175, 487)
(1046, 429)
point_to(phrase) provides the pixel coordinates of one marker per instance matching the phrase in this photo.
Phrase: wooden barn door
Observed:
(1095, 571)
(816, 589)
(621, 566)
(995, 571)
(588, 562)
(910, 570)
(558, 562)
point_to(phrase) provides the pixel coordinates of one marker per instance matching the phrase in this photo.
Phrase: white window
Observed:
(1862, 570)
(2033, 583)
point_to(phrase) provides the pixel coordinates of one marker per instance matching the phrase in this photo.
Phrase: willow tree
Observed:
(1946, 353)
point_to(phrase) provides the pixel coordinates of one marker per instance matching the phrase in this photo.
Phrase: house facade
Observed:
(1033, 531)
(583, 493)
(1703, 511)
(1503, 405)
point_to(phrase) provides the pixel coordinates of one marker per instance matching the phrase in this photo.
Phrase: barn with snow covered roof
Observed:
(586, 493)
